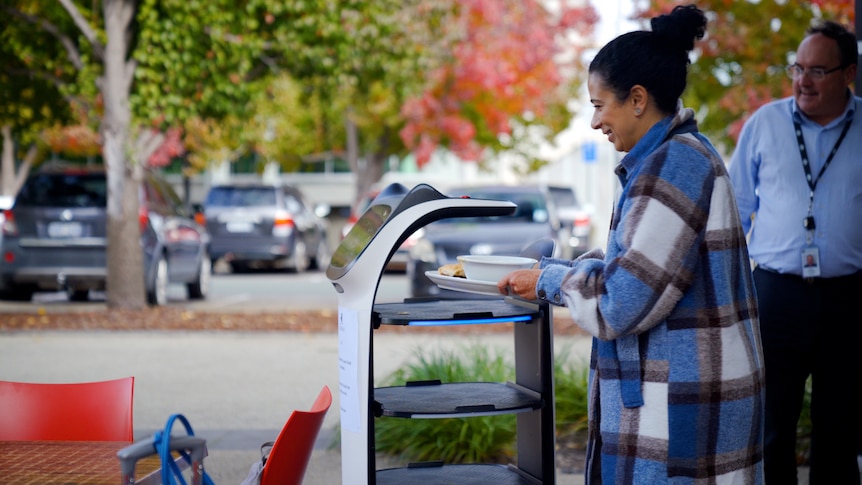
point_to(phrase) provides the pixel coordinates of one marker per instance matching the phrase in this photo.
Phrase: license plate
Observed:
(65, 229)
(239, 226)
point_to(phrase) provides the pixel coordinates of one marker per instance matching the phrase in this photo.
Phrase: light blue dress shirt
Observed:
(769, 183)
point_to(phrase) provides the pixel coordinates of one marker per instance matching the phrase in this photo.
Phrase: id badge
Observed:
(810, 262)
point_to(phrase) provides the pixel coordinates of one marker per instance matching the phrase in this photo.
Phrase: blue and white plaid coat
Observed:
(676, 373)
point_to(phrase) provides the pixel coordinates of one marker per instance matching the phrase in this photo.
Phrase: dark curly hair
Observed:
(657, 60)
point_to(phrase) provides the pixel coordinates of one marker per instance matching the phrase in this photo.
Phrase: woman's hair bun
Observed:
(681, 27)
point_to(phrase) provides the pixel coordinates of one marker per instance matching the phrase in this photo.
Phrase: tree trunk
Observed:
(125, 268)
(10, 180)
(353, 158)
(370, 170)
(375, 162)
(7, 164)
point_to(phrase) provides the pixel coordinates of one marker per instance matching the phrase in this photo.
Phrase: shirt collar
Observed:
(656, 135)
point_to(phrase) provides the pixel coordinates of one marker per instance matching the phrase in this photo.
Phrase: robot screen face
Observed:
(360, 235)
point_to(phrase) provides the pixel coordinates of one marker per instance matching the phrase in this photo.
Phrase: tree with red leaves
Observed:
(514, 64)
(741, 61)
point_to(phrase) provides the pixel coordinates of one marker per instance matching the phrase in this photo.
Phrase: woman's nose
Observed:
(594, 121)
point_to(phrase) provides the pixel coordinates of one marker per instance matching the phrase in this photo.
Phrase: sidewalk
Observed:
(236, 388)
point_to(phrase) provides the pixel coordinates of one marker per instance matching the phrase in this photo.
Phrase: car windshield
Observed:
(64, 190)
(241, 197)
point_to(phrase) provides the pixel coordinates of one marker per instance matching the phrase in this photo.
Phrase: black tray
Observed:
(460, 399)
(454, 475)
(445, 311)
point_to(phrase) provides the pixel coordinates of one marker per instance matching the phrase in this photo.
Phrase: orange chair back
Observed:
(291, 452)
(86, 411)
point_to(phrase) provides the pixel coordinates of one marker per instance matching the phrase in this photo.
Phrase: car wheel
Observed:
(239, 267)
(77, 295)
(158, 295)
(323, 256)
(198, 289)
(301, 260)
(20, 293)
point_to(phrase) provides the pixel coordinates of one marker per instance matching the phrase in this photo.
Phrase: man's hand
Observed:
(521, 283)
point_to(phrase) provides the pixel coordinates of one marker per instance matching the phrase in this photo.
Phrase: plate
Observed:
(463, 284)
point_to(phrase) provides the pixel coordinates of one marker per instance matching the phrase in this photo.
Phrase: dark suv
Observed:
(55, 237)
(441, 242)
(259, 226)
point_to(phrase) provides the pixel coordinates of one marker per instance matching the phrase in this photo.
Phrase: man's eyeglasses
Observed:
(815, 73)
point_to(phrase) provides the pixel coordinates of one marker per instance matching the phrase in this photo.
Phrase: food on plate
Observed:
(455, 269)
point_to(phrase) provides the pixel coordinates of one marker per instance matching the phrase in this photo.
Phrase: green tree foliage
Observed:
(29, 102)
(740, 63)
(143, 68)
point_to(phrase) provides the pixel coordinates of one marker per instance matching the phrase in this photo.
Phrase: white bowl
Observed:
(492, 267)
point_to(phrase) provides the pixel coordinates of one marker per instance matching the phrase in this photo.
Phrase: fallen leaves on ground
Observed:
(162, 318)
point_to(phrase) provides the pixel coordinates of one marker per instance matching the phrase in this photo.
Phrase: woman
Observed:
(676, 374)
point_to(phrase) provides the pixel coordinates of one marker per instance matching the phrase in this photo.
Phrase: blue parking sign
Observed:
(588, 148)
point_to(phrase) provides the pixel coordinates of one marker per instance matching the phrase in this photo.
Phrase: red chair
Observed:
(86, 411)
(291, 451)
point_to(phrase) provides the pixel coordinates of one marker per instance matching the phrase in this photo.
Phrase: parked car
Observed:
(260, 226)
(441, 242)
(55, 237)
(576, 222)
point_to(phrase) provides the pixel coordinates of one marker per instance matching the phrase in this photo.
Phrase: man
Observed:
(797, 171)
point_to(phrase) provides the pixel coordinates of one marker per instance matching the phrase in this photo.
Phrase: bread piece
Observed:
(455, 269)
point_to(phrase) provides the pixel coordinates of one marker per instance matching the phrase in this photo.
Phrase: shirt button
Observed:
(557, 298)
(541, 294)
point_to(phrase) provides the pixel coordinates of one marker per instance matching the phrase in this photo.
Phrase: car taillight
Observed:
(582, 220)
(182, 234)
(283, 224)
(143, 217)
(200, 218)
(10, 228)
(581, 226)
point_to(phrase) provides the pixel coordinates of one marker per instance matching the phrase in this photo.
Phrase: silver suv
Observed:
(55, 237)
(260, 226)
(576, 222)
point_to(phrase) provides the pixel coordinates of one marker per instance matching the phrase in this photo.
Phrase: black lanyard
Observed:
(808, 222)
(804, 153)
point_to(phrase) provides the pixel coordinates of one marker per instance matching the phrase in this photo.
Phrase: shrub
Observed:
(572, 396)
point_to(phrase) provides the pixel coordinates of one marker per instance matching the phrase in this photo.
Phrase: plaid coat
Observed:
(676, 373)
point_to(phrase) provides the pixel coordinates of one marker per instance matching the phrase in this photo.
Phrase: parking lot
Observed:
(259, 291)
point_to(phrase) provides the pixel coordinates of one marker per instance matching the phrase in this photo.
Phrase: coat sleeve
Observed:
(652, 251)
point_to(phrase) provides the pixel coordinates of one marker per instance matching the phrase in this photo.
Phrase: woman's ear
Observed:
(638, 99)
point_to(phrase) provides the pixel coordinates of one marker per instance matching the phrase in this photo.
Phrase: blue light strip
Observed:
(472, 321)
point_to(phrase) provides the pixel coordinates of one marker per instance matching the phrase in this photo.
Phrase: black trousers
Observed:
(811, 328)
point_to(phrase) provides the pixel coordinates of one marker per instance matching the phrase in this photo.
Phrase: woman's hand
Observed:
(521, 283)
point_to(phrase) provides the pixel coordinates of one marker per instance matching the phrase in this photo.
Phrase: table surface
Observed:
(68, 463)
